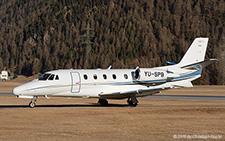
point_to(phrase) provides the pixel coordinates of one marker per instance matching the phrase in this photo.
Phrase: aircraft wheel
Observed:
(131, 103)
(103, 102)
(32, 104)
(128, 101)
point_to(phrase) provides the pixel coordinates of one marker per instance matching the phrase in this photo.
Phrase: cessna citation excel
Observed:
(118, 83)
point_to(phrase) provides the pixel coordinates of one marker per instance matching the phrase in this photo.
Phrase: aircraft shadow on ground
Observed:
(193, 96)
(61, 106)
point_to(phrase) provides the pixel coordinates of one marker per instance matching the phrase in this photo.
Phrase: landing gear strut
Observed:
(103, 102)
(132, 101)
(32, 103)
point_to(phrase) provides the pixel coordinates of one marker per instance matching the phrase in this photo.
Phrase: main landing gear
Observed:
(32, 103)
(132, 101)
(103, 102)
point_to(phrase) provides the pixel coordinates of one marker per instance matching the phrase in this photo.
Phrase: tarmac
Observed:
(168, 97)
(187, 97)
(158, 97)
(188, 113)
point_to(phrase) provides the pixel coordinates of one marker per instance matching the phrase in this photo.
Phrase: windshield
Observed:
(44, 76)
(51, 77)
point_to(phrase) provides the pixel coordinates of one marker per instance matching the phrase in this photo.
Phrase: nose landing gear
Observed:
(32, 103)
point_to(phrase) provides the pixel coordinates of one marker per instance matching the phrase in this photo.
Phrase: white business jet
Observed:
(118, 83)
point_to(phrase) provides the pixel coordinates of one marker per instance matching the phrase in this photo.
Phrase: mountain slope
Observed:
(37, 35)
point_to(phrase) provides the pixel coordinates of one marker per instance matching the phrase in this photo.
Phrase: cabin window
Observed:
(125, 76)
(56, 77)
(95, 76)
(114, 76)
(85, 77)
(51, 77)
(44, 76)
(104, 76)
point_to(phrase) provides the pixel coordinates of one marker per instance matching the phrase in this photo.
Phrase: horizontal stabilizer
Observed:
(208, 62)
(203, 64)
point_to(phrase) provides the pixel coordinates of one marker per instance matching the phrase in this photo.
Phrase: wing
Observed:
(127, 94)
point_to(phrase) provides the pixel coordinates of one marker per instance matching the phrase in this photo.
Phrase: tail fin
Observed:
(195, 53)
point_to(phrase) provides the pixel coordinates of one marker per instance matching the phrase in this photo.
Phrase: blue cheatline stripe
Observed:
(134, 82)
(153, 81)
(43, 87)
(186, 76)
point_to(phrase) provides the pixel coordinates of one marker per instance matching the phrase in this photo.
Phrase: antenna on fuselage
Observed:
(109, 67)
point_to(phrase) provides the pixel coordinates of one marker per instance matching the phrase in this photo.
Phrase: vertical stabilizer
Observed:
(195, 53)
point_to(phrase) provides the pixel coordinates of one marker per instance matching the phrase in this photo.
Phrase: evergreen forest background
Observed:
(41, 35)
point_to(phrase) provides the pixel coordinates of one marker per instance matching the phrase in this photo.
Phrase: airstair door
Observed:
(75, 82)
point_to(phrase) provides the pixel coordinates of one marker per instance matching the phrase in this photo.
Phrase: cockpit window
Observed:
(44, 76)
(51, 77)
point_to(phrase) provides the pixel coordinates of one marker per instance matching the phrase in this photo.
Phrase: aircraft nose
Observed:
(17, 90)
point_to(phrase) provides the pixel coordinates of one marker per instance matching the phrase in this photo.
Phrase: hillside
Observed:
(39, 35)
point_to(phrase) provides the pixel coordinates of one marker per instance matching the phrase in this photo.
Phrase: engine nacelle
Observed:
(143, 75)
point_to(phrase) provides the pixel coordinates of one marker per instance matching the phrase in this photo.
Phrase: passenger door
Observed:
(75, 82)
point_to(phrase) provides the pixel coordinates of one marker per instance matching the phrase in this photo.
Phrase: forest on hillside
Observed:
(41, 35)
